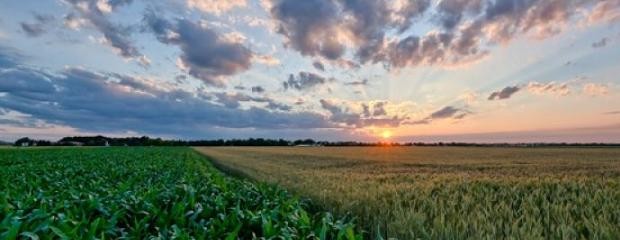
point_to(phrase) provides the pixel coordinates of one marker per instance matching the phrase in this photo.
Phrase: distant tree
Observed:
(22, 141)
(304, 142)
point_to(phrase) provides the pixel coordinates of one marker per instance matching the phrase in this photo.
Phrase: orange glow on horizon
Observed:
(386, 134)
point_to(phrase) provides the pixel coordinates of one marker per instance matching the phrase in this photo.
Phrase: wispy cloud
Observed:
(447, 112)
(38, 27)
(551, 88)
(303, 81)
(505, 93)
(600, 43)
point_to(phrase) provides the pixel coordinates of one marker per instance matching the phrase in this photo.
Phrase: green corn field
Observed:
(146, 193)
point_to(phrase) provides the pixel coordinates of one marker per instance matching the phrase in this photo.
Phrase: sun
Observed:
(386, 134)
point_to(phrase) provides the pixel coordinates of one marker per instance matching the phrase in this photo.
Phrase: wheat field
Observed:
(448, 192)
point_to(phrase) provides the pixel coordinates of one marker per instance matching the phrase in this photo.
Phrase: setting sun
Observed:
(386, 134)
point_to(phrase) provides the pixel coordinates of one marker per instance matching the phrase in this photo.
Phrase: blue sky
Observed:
(428, 70)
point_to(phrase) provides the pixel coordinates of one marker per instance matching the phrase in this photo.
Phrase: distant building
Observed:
(25, 144)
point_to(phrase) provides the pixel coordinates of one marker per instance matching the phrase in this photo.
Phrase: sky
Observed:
(364, 70)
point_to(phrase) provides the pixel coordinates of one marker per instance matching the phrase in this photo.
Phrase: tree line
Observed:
(148, 141)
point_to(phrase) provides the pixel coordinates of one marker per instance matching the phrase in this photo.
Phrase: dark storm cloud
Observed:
(205, 55)
(116, 36)
(601, 43)
(303, 81)
(318, 65)
(38, 27)
(466, 32)
(505, 93)
(108, 102)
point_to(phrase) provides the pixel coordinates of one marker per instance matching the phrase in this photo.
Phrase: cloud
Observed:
(233, 100)
(505, 93)
(278, 106)
(216, 7)
(303, 81)
(258, 89)
(73, 21)
(461, 31)
(612, 113)
(595, 89)
(310, 34)
(363, 82)
(333, 24)
(116, 36)
(451, 12)
(445, 112)
(204, 54)
(9, 57)
(365, 110)
(140, 84)
(340, 115)
(116, 105)
(557, 89)
(38, 27)
(551, 88)
(266, 60)
(469, 97)
(601, 43)
(319, 66)
(253, 21)
(349, 117)
(605, 11)
(379, 109)
(448, 112)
